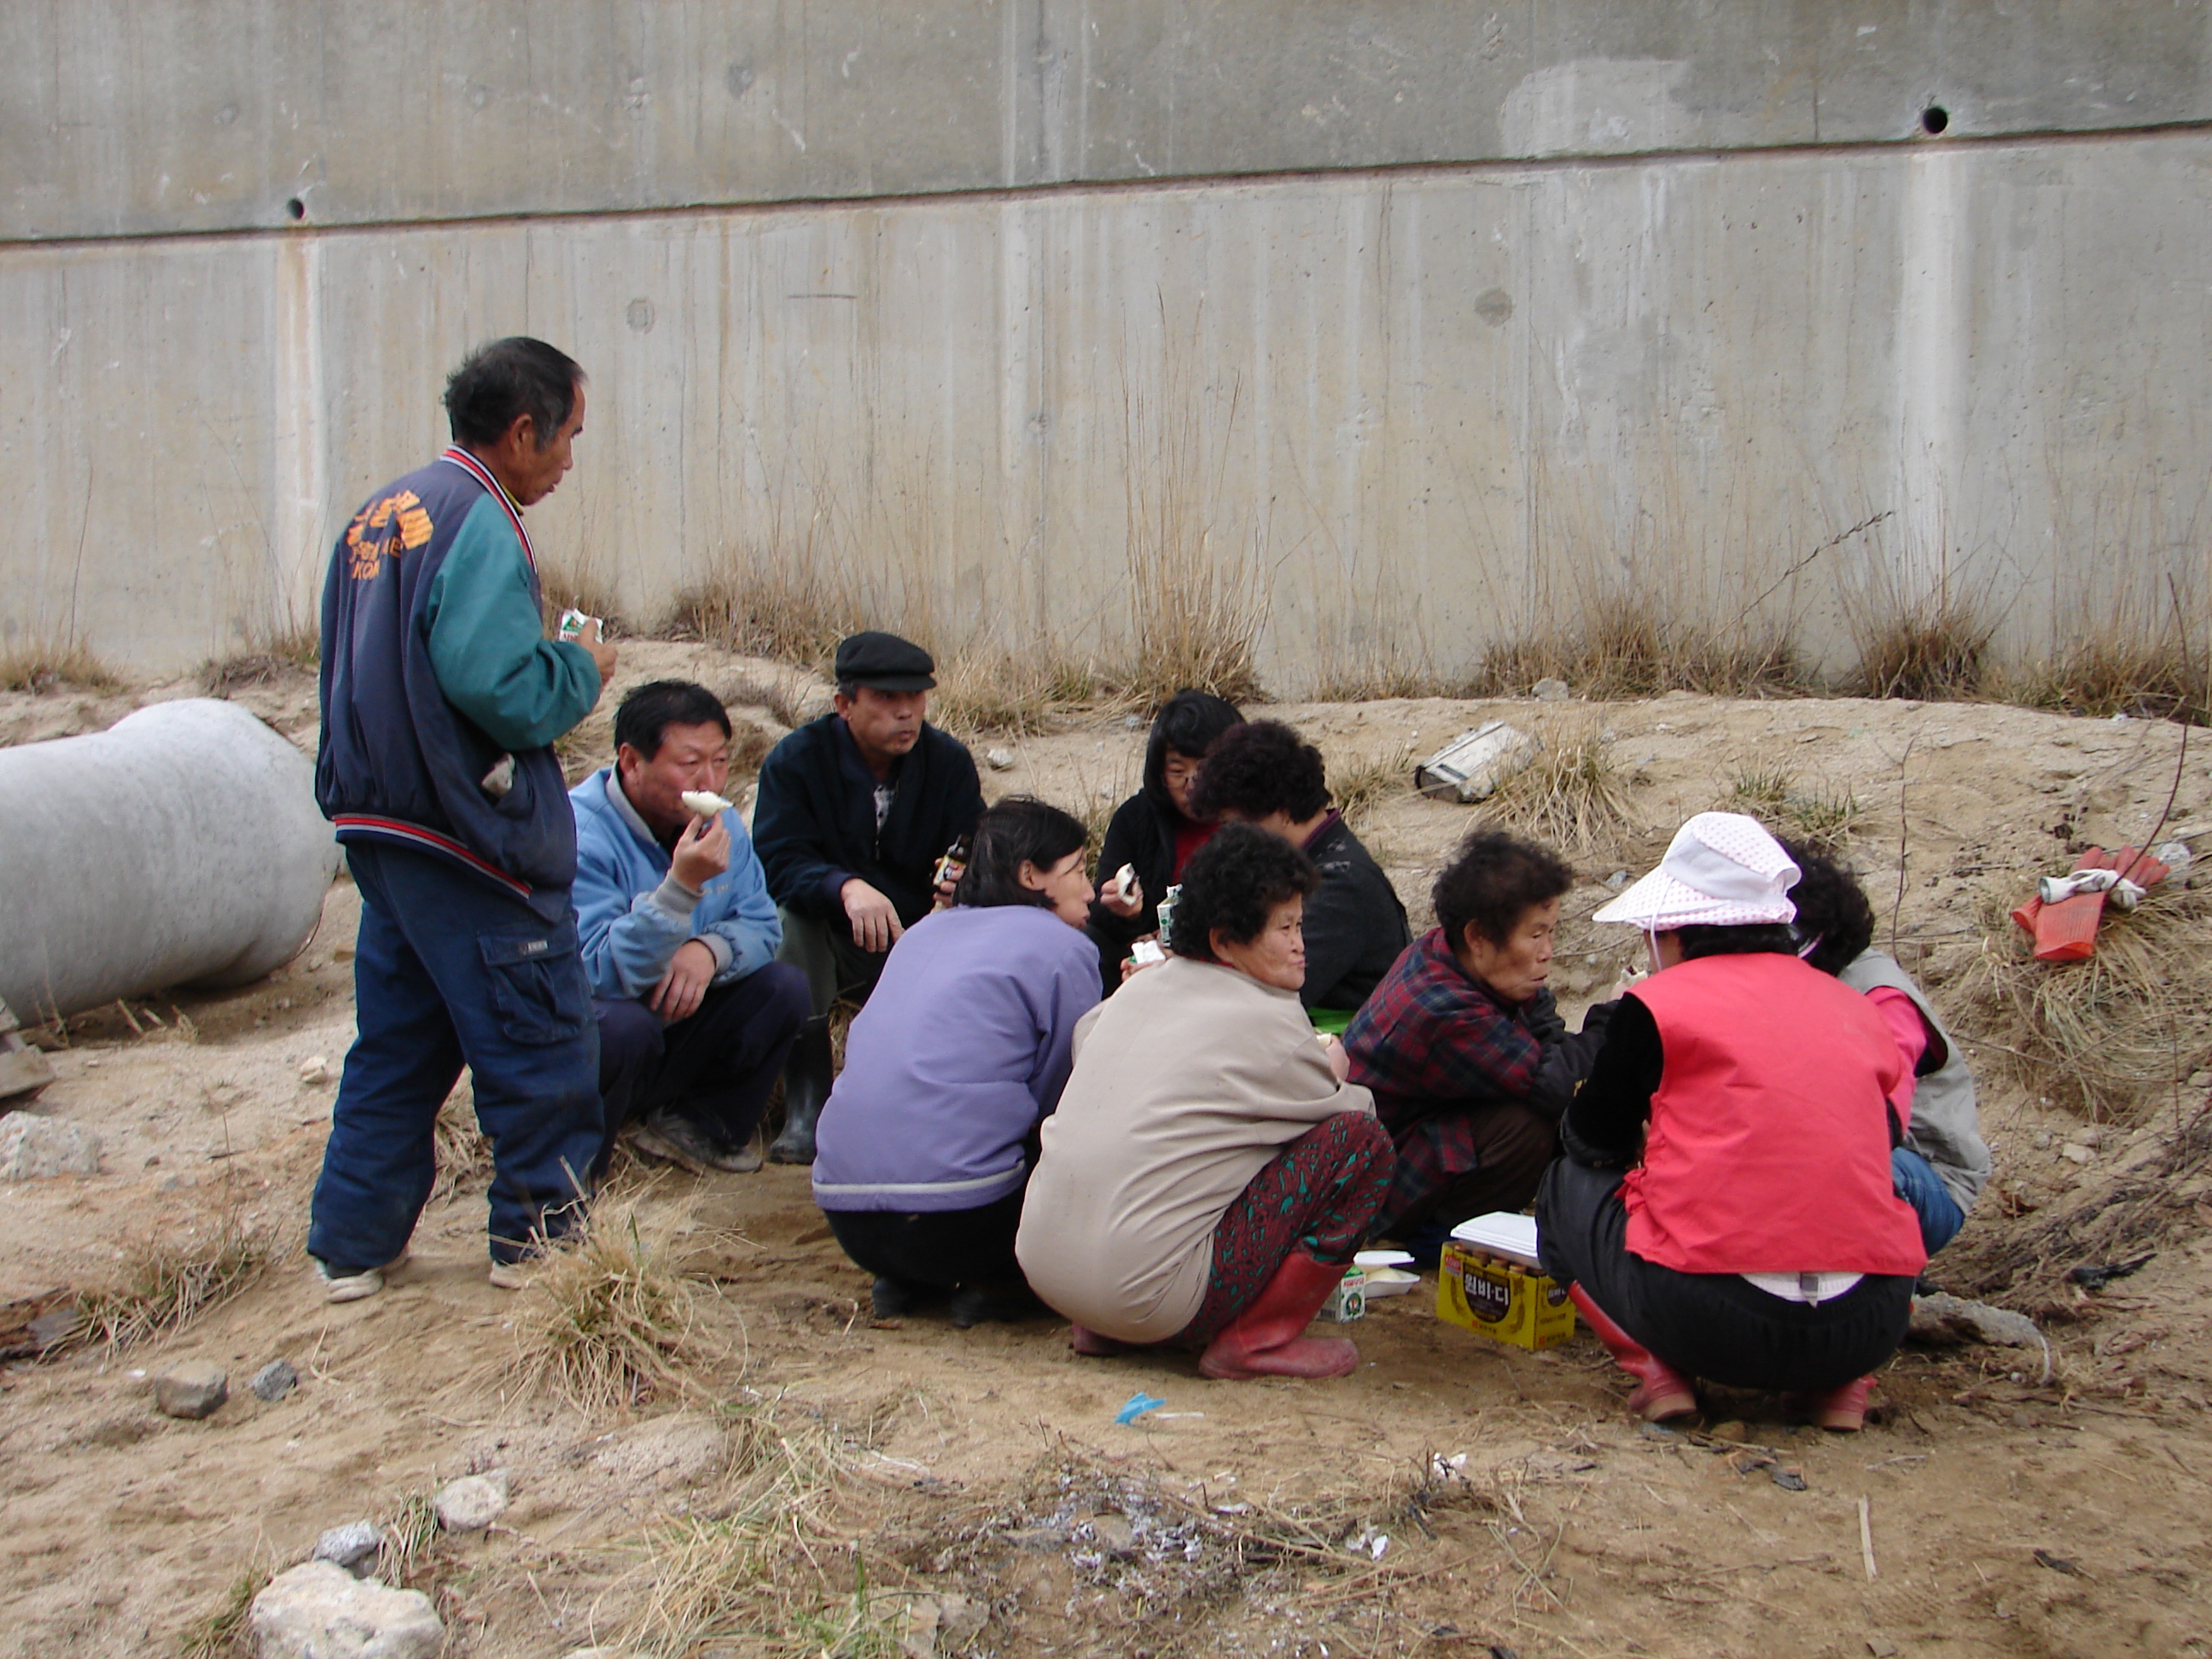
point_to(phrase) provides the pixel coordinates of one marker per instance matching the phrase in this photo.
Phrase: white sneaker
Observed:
(510, 1275)
(353, 1287)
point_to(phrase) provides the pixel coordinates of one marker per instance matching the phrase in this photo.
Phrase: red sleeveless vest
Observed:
(1768, 1150)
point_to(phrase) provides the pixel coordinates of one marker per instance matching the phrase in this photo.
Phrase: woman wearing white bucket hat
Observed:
(1725, 1208)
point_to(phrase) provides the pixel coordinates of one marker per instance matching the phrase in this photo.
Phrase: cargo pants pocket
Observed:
(539, 990)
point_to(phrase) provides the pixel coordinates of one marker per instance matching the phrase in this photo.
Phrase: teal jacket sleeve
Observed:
(488, 646)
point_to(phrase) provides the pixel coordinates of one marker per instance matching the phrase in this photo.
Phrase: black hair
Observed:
(1831, 908)
(1261, 768)
(1748, 941)
(1232, 885)
(1016, 831)
(514, 376)
(648, 712)
(1492, 881)
(1187, 724)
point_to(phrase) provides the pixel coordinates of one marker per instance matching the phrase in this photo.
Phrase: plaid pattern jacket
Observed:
(1439, 1048)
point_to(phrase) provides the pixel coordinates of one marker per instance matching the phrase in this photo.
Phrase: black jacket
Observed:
(814, 825)
(1355, 925)
(1141, 834)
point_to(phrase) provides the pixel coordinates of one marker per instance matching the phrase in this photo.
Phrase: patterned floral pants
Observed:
(1319, 1193)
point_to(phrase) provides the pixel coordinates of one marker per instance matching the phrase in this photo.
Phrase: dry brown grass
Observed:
(608, 1323)
(220, 1632)
(792, 610)
(2111, 1037)
(998, 693)
(1570, 797)
(39, 666)
(753, 1574)
(2115, 672)
(787, 701)
(1825, 819)
(290, 652)
(165, 1282)
(1360, 784)
(1932, 653)
(1628, 648)
(463, 1156)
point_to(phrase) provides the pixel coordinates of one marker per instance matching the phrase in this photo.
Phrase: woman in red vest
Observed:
(1725, 1208)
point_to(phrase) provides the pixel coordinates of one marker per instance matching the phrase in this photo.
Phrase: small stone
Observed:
(354, 1546)
(274, 1381)
(32, 1148)
(1788, 1480)
(1548, 690)
(1731, 1431)
(1940, 1319)
(1000, 760)
(195, 1390)
(2074, 1154)
(315, 1068)
(472, 1503)
(1617, 880)
(1114, 1534)
(318, 1610)
(2200, 1079)
(1881, 1647)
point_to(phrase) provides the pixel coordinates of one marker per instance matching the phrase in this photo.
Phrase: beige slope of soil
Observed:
(1567, 1531)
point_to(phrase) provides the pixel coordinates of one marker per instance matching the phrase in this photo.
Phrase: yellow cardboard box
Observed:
(1502, 1299)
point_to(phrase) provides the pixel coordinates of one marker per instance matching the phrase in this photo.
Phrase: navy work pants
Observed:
(716, 1066)
(449, 970)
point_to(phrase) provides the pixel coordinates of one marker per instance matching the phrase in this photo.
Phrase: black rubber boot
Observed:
(807, 1076)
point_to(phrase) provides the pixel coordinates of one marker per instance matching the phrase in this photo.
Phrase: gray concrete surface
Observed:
(1417, 407)
(122, 119)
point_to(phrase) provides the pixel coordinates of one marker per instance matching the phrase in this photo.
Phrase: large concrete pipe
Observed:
(182, 846)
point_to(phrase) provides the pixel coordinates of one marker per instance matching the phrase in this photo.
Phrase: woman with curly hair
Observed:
(1209, 1173)
(1942, 1165)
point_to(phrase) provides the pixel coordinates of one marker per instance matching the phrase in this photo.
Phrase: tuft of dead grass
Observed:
(463, 1155)
(2110, 1038)
(164, 1282)
(220, 1632)
(1823, 819)
(1360, 785)
(1570, 797)
(793, 611)
(993, 693)
(2113, 672)
(293, 651)
(1622, 648)
(410, 1541)
(609, 1321)
(1932, 653)
(41, 665)
(753, 1573)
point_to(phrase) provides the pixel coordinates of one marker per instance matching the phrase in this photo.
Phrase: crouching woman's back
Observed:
(1209, 1173)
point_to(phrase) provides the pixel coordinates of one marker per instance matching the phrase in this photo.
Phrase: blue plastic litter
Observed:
(1139, 1403)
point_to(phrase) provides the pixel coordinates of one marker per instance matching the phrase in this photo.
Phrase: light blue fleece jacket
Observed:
(632, 914)
(964, 1044)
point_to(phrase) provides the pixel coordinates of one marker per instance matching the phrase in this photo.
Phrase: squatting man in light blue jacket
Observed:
(679, 935)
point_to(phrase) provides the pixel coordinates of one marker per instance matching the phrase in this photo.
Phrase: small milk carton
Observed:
(1488, 1280)
(1348, 1301)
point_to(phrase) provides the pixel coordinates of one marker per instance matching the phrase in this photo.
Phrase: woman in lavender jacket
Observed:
(926, 1142)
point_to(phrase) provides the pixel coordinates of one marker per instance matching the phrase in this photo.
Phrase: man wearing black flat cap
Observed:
(853, 814)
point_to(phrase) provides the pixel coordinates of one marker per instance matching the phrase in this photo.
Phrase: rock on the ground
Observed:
(33, 1147)
(318, 1610)
(998, 760)
(960, 1619)
(314, 1069)
(472, 1503)
(274, 1381)
(196, 1388)
(354, 1546)
(1551, 690)
(1949, 1321)
(680, 1451)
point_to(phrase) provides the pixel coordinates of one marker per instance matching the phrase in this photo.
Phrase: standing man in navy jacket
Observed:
(853, 812)
(441, 698)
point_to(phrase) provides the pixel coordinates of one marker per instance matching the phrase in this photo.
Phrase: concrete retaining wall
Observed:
(1486, 378)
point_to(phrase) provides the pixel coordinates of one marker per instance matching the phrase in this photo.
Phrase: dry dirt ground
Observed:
(1991, 1509)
